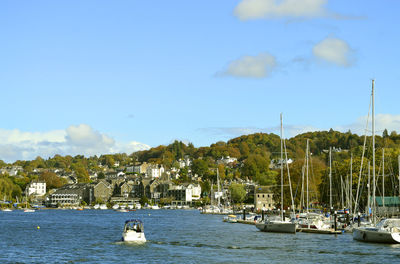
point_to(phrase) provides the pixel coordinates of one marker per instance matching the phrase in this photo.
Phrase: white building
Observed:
(154, 171)
(37, 188)
(195, 190)
(184, 162)
(184, 194)
(226, 160)
(130, 169)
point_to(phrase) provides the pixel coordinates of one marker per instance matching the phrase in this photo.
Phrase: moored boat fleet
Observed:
(374, 227)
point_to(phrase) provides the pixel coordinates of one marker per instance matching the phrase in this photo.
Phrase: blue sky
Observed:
(95, 77)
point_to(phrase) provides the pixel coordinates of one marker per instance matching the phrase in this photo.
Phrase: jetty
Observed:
(319, 231)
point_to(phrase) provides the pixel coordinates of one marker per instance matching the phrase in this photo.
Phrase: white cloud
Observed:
(382, 122)
(130, 147)
(267, 9)
(259, 66)
(81, 139)
(334, 50)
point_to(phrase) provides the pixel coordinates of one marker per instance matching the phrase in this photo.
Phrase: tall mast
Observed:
(369, 188)
(219, 191)
(212, 193)
(288, 174)
(330, 177)
(302, 187)
(373, 152)
(342, 187)
(399, 174)
(383, 179)
(282, 167)
(351, 185)
(307, 152)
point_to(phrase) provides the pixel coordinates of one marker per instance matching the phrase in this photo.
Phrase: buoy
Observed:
(38, 227)
(149, 214)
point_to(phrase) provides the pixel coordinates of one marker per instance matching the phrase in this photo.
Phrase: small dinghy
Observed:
(133, 231)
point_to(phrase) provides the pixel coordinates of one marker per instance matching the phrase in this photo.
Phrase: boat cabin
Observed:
(133, 225)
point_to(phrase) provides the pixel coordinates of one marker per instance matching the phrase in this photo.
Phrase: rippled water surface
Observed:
(174, 236)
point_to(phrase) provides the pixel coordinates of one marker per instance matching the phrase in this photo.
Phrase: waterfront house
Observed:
(185, 193)
(263, 198)
(37, 188)
(71, 194)
(102, 191)
(126, 188)
(387, 206)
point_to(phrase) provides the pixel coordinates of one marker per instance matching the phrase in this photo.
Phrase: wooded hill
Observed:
(254, 153)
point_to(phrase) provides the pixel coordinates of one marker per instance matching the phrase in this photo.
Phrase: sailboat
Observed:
(279, 225)
(387, 230)
(6, 209)
(27, 210)
(313, 221)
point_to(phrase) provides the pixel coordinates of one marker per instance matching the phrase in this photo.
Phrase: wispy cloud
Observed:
(382, 122)
(259, 66)
(334, 51)
(81, 139)
(230, 131)
(289, 9)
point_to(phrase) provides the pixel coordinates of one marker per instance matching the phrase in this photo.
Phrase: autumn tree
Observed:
(52, 180)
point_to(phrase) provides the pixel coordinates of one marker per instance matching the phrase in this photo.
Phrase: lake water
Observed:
(174, 236)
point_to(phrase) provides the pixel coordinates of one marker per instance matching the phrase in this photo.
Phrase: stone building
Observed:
(263, 198)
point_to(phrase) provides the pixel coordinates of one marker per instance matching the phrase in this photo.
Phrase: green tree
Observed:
(238, 192)
(200, 167)
(101, 175)
(52, 180)
(82, 175)
(144, 200)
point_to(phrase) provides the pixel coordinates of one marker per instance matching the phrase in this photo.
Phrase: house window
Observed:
(263, 195)
(258, 195)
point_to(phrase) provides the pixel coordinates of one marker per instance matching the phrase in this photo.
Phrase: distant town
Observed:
(244, 170)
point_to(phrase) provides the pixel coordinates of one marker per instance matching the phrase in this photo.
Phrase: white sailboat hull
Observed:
(373, 235)
(278, 227)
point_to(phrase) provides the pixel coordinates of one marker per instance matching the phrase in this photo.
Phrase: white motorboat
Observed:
(115, 206)
(138, 206)
(103, 207)
(6, 210)
(96, 206)
(277, 225)
(155, 207)
(133, 231)
(313, 221)
(386, 231)
(230, 219)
